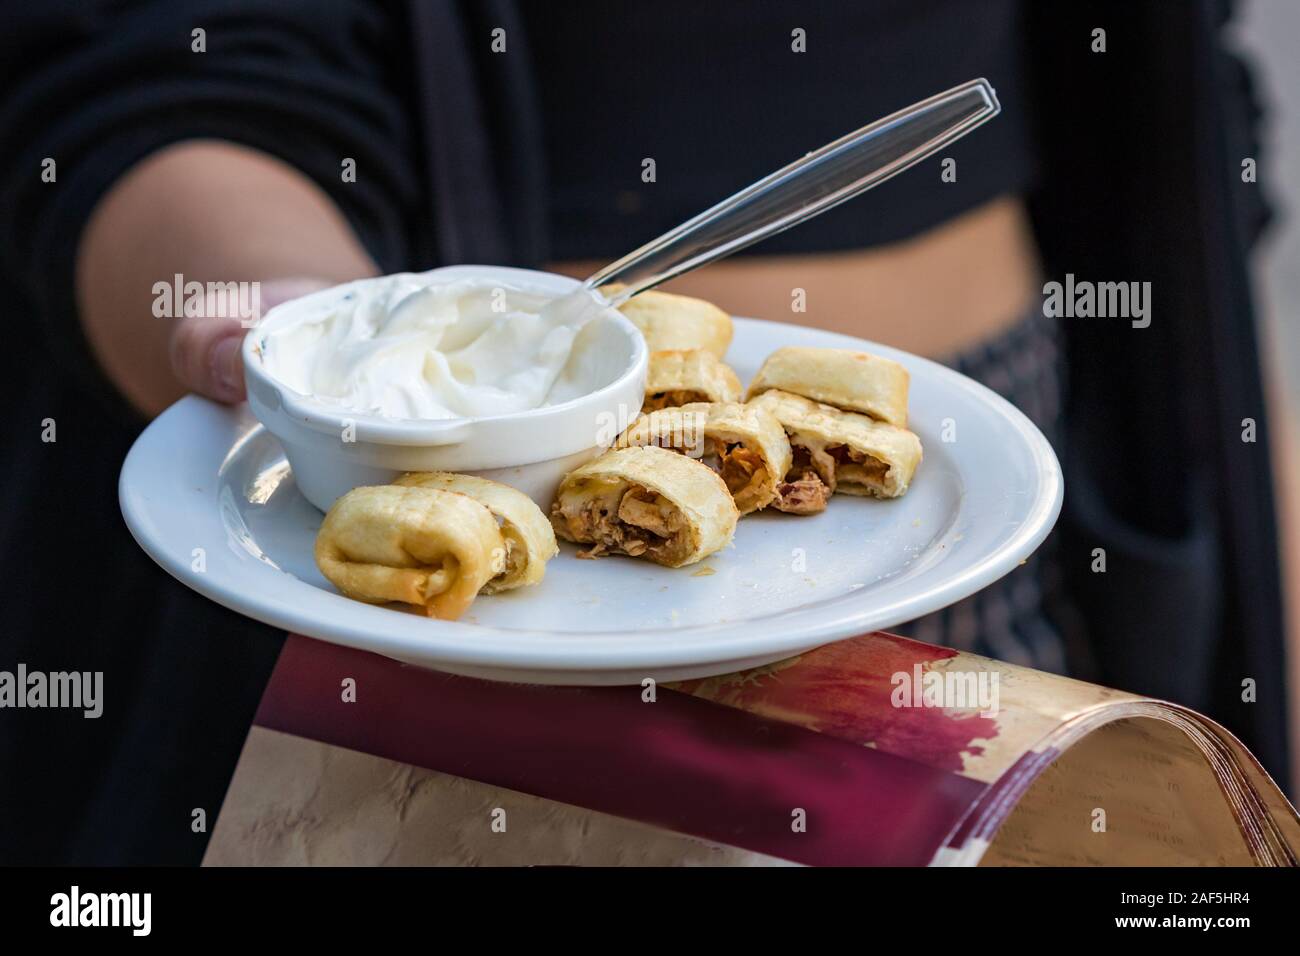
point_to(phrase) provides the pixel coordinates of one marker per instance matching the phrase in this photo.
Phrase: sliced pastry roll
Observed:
(681, 376)
(647, 503)
(529, 540)
(677, 321)
(852, 381)
(433, 549)
(745, 445)
(834, 450)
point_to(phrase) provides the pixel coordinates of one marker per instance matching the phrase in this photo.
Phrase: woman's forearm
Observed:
(210, 212)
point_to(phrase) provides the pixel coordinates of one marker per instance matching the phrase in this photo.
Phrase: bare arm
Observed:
(210, 211)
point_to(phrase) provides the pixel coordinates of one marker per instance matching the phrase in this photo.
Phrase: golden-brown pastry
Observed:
(676, 321)
(645, 502)
(529, 540)
(745, 445)
(852, 381)
(434, 549)
(681, 376)
(835, 451)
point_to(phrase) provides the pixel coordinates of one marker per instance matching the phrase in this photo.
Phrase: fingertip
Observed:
(227, 369)
(206, 357)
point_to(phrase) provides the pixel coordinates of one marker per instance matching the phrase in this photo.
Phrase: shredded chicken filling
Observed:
(804, 492)
(743, 471)
(816, 470)
(642, 521)
(512, 562)
(856, 468)
(671, 399)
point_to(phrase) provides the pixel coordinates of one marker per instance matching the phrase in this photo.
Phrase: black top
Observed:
(445, 136)
(726, 100)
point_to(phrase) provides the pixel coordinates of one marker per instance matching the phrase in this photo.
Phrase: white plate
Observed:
(208, 494)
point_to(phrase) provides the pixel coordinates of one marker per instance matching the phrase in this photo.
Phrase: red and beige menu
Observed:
(876, 750)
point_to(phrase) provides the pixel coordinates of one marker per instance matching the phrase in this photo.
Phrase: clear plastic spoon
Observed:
(807, 187)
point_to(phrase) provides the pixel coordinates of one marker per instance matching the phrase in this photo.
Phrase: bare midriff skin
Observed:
(936, 294)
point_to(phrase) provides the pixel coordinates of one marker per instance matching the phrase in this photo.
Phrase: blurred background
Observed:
(1266, 31)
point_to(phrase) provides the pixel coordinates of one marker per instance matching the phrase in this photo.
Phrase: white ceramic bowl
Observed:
(531, 450)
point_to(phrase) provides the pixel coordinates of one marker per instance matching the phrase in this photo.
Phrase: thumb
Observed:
(205, 356)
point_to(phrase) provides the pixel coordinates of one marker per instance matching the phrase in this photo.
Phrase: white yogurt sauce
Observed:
(402, 348)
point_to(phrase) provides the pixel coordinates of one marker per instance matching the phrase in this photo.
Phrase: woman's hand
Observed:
(205, 349)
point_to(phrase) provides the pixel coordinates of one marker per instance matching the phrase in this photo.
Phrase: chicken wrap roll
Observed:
(647, 503)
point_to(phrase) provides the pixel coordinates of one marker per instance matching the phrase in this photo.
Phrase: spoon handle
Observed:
(806, 188)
